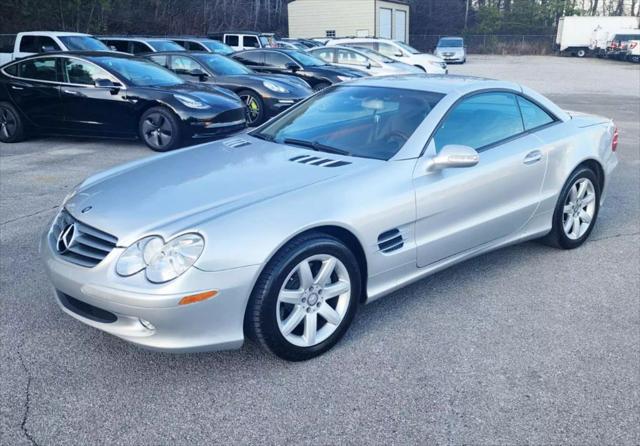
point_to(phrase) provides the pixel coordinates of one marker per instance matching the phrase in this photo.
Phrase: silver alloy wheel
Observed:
(8, 123)
(157, 130)
(253, 107)
(313, 300)
(579, 208)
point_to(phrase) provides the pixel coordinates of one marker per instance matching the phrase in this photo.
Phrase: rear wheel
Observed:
(581, 52)
(159, 129)
(576, 211)
(255, 107)
(305, 299)
(11, 125)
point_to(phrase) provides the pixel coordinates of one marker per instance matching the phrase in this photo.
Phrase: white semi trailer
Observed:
(583, 35)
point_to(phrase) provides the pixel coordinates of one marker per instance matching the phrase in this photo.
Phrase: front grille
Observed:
(86, 310)
(78, 243)
(235, 115)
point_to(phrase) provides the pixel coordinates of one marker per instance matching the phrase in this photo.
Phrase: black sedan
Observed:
(314, 71)
(113, 95)
(265, 95)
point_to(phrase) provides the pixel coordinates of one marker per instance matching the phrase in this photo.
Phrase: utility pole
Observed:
(466, 14)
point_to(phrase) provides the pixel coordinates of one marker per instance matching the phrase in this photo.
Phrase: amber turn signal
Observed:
(197, 297)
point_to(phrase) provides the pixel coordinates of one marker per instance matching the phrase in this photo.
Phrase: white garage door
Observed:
(400, 31)
(385, 23)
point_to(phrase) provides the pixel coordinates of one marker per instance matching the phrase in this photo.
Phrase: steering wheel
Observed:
(397, 137)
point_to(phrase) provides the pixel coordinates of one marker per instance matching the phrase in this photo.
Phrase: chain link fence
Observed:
(517, 44)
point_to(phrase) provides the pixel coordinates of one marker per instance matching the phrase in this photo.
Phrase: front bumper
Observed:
(212, 324)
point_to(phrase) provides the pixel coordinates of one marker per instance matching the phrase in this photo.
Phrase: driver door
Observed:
(92, 110)
(459, 209)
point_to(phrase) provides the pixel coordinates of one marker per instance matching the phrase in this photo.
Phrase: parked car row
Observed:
(624, 46)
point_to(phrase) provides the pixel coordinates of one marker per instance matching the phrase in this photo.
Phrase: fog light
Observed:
(146, 324)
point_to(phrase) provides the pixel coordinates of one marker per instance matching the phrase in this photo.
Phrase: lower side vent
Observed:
(390, 241)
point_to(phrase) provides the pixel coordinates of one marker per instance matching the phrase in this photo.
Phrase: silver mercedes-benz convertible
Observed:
(280, 234)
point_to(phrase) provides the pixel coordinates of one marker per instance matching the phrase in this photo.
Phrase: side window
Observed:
(48, 44)
(325, 54)
(231, 40)
(370, 45)
(277, 60)
(12, 69)
(352, 58)
(387, 49)
(118, 45)
(251, 58)
(532, 115)
(250, 42)
(160, 60)
(43, 69)
(183, 65)
(29, 44)
(83, 73)
(196, 46)
(139, 47)
(480, 120)
(183, 43)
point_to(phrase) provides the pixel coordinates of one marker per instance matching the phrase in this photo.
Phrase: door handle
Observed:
(71, 92)
(13, 87)
(533, 157)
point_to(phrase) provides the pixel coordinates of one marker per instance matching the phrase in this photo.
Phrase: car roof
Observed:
(183, 53)
(53, 33)
(445, 84)
(82, 54)
(143, 38)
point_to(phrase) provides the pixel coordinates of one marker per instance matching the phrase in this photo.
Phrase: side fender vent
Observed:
(390, 241)
(318, 161)
(236, 143)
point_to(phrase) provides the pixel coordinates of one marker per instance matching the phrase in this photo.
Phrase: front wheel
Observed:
(305, 299)
(576, 211)
(160, 129)
(255, 107)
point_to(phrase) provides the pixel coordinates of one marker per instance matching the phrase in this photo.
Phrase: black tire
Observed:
(260, 319)
(557, 237)
(581, 52)
(11, 124)
(255, 107)
(159, 128)
(321, 86)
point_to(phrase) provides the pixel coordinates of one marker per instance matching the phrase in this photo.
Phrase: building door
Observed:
(400, 30)
(385, 23)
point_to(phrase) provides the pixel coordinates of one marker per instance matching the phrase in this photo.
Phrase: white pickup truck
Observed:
(15, 46)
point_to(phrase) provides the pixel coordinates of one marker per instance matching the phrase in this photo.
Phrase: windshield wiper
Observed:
(262, 136)
(315, 145)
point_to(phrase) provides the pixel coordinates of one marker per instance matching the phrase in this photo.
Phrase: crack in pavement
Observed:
(27, 216)
(27, 403)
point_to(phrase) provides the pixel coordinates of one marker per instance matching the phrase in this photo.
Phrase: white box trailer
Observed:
(581, 35)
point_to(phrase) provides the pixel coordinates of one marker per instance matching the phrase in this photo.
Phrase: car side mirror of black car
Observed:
(114, 87)
(201, 75)
(292, 67)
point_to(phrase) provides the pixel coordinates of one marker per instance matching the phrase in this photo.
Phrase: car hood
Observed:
(334, 70)
(182, 190)
(454, 50)
(295, 85)
(209, 94)
(426, 58)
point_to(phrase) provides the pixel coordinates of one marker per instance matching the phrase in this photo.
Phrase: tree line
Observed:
(164, 17)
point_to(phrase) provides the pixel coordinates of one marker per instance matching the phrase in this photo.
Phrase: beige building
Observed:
(343, 18)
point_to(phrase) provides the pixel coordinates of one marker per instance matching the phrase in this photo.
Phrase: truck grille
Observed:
(78, 243)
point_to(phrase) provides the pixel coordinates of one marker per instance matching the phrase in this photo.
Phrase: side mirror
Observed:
(453, 156)
(369, 66)
(47, 49)
(107, 83)
(292, 67)
(201, 75)
(399, 54)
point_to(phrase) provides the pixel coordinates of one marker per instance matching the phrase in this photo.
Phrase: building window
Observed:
(330, 33)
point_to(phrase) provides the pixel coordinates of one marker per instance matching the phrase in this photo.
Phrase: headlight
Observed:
(191, 102)
(274, 87)
(344, 78)
(161, 261)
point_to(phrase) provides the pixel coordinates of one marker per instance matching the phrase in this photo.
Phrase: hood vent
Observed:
(318, 161)
(236, 143)
(390, 241)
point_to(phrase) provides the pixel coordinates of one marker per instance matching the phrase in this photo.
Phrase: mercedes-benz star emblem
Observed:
(66, 238)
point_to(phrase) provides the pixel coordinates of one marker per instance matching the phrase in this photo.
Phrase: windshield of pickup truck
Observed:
(83, 43)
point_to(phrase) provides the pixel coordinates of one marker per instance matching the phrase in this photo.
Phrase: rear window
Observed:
(6, 43)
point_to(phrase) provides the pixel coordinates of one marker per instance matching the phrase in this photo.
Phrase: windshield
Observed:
(406, 47)
(450, 43)
(83, 43)
(368, 122)
(306, 60)
(138, 72)
(217, 47)
(164, 45)
(223, 66)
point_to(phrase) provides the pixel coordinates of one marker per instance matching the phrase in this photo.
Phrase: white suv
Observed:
(396, 50)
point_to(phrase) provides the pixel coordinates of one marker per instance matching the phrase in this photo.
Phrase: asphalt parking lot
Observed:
(524, 345)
